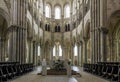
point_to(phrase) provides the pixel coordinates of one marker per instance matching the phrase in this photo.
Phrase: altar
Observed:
(59, 67)
(62, 72)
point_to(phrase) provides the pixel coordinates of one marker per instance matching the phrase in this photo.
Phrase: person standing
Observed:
(69, 69)
(44, 67)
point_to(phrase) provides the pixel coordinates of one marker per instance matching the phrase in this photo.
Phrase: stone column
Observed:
(103, 33)
(99, 56)
(17, 44)
(51, 53)
(52, 40)
(81, 54)
(44, 46)
(66, 52)
(12, 44)
(111, 43)
(2, 49)
(62, 45)
(31, 52)
(24, 45)
(78, 59)
(63, 52)
(118, 51)
(36, 54)
(95, 23)
(56, 54)
(17, 31)
(35, 49)
(79, 12)
(41, 53)
(72, 54)
(85, 49)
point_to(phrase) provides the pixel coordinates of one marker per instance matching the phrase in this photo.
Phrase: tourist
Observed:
(69, 69)
(44, 67)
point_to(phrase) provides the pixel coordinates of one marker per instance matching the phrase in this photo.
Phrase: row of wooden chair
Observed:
(11, 70)
(107, 70)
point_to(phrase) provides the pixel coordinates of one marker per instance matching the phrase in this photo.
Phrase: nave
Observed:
(79, 32)
(33, 77)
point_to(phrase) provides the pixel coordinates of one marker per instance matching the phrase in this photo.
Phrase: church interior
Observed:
(59, 40)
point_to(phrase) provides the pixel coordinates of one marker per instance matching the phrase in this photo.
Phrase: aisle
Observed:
(33, 77)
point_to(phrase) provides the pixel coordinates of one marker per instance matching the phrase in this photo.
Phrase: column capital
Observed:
(62, 16)
(85, 39)
(2, 39)
(30, 38)
(80, 42)
(53, 15)
(103, 29)
(15, 27)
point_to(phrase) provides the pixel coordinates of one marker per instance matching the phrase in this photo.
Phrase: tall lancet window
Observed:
(38, 50)
(54, 51)
(48, 11)
(67, 11)
(75, 51)
(57, 12)
(60, 50)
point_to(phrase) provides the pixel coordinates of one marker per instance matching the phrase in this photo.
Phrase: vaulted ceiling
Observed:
(61, 2)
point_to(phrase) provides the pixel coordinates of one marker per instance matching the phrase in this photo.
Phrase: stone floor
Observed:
(33, 77)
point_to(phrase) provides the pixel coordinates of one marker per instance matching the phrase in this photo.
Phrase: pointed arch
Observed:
(57, 12)
(48, 10)
(67, 11)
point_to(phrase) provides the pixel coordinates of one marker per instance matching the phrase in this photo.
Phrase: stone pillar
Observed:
(51, 53)
(17, 44)
(35, 49)
(66, 53)
(62, 45)
(2, 49)
(111, 43)
(56, 54)
(81, 54)
(31, 52)
(57, 51)
(52, 42)
(24, 35)
(42, 51)
(12, 44)
(85, 49)
(72, 55)
(78, 58)
(36, 54)
(62, 21)
(118, 51)
(48, 54)
(17, 31)
(98, 50)
(103, 33)
(63, 52)
(79, 14)
(95, 23)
